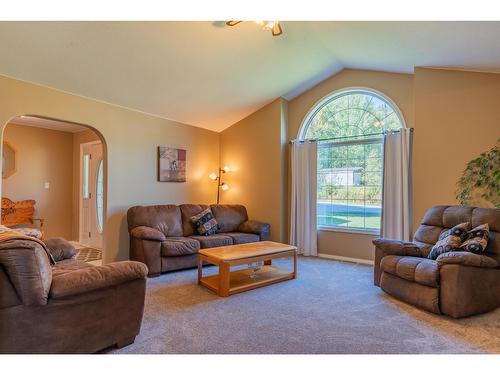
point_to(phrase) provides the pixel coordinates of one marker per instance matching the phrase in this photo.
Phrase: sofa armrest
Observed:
(147, 233)
(395, 247)
(256, 227)
(466, 259)
(88, 279)
(60, 249)
(384, 246)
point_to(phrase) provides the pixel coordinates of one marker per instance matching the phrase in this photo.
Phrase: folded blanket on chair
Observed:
(9, 234)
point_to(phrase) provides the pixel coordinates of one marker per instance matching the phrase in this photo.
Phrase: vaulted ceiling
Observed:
(209, 75)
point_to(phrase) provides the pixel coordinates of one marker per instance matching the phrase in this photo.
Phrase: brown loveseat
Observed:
(164, 238)
(457, 283)
(69, 307)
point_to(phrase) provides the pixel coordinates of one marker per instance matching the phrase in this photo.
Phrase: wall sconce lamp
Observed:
(221, 185)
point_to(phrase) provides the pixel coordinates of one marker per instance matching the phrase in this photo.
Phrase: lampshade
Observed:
(226, 169)
(212, 176)
(224, 186)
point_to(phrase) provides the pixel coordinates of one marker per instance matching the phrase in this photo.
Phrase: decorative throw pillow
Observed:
(205, 222)
(477, 239)
(449, 240)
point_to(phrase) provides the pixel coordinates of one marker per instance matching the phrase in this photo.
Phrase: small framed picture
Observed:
(171, 164)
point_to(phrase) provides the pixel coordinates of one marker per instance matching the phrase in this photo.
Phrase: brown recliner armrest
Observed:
(466, 259)
(395, 247)
(147, 233)
(384, 246)
(256, 227)
(88, 279)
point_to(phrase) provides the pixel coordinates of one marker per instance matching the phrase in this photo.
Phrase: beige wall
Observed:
(79, 138)
(131, 139)
(457, 116)
(254, 149)
(43, 155)
(398, 87)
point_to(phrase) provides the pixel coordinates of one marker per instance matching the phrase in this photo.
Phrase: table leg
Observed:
(295, 265)
(224, 280)
(200, 268)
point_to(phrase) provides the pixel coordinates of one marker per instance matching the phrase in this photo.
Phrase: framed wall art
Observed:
(171, 164)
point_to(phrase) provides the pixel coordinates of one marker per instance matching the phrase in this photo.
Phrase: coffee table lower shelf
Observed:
(240, 280)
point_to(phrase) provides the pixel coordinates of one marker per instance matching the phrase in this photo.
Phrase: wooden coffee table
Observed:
(229, 282)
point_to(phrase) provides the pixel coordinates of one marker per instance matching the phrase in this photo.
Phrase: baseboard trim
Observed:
(346, 259)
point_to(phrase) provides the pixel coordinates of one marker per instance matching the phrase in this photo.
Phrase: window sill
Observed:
(352, 231)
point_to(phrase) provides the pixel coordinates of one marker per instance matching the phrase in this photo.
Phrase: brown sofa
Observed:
(69, 307)
(457, 283)
(164, 238)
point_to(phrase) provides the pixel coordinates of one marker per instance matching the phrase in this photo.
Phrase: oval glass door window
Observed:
(99, 195)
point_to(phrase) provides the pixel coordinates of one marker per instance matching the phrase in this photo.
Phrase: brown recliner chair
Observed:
(69, 307)
(457, 283)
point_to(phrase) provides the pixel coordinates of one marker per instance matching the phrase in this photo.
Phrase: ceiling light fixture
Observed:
(273, 26)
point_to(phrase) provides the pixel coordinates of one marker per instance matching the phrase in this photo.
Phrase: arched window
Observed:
(349, 126)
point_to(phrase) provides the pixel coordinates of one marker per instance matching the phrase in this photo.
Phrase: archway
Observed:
(49, 170)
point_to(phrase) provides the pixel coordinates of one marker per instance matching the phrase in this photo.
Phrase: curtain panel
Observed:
(397, 195)
(303, 231)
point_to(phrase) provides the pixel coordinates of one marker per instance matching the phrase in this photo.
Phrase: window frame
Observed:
(86, 176)
(317, 107)
(99, 175)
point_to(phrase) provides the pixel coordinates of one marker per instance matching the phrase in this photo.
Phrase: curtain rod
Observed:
(349, 136)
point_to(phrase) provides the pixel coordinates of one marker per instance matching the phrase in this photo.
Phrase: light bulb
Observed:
(212, 176)
(269, 25)
(226, 169)
(224, 186)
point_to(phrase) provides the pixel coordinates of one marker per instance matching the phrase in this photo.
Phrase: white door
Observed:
(91, 194)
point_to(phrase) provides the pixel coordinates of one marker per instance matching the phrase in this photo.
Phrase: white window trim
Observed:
(341, 92)
(306, 122)
(325, 228)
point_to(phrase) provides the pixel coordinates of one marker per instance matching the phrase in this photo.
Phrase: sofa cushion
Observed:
(165, 218)
(450, 240)
(72, 265)
(205, 222)
(215, 240)
(428, 234)
(477, 239)
(88, 279)
(454, 215)
(239, 237)
(420, 270)
(229, 216)
(425, 248)
(189, 210)
(175, 246)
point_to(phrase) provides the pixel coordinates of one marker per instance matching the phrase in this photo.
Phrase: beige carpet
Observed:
(332, 307)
